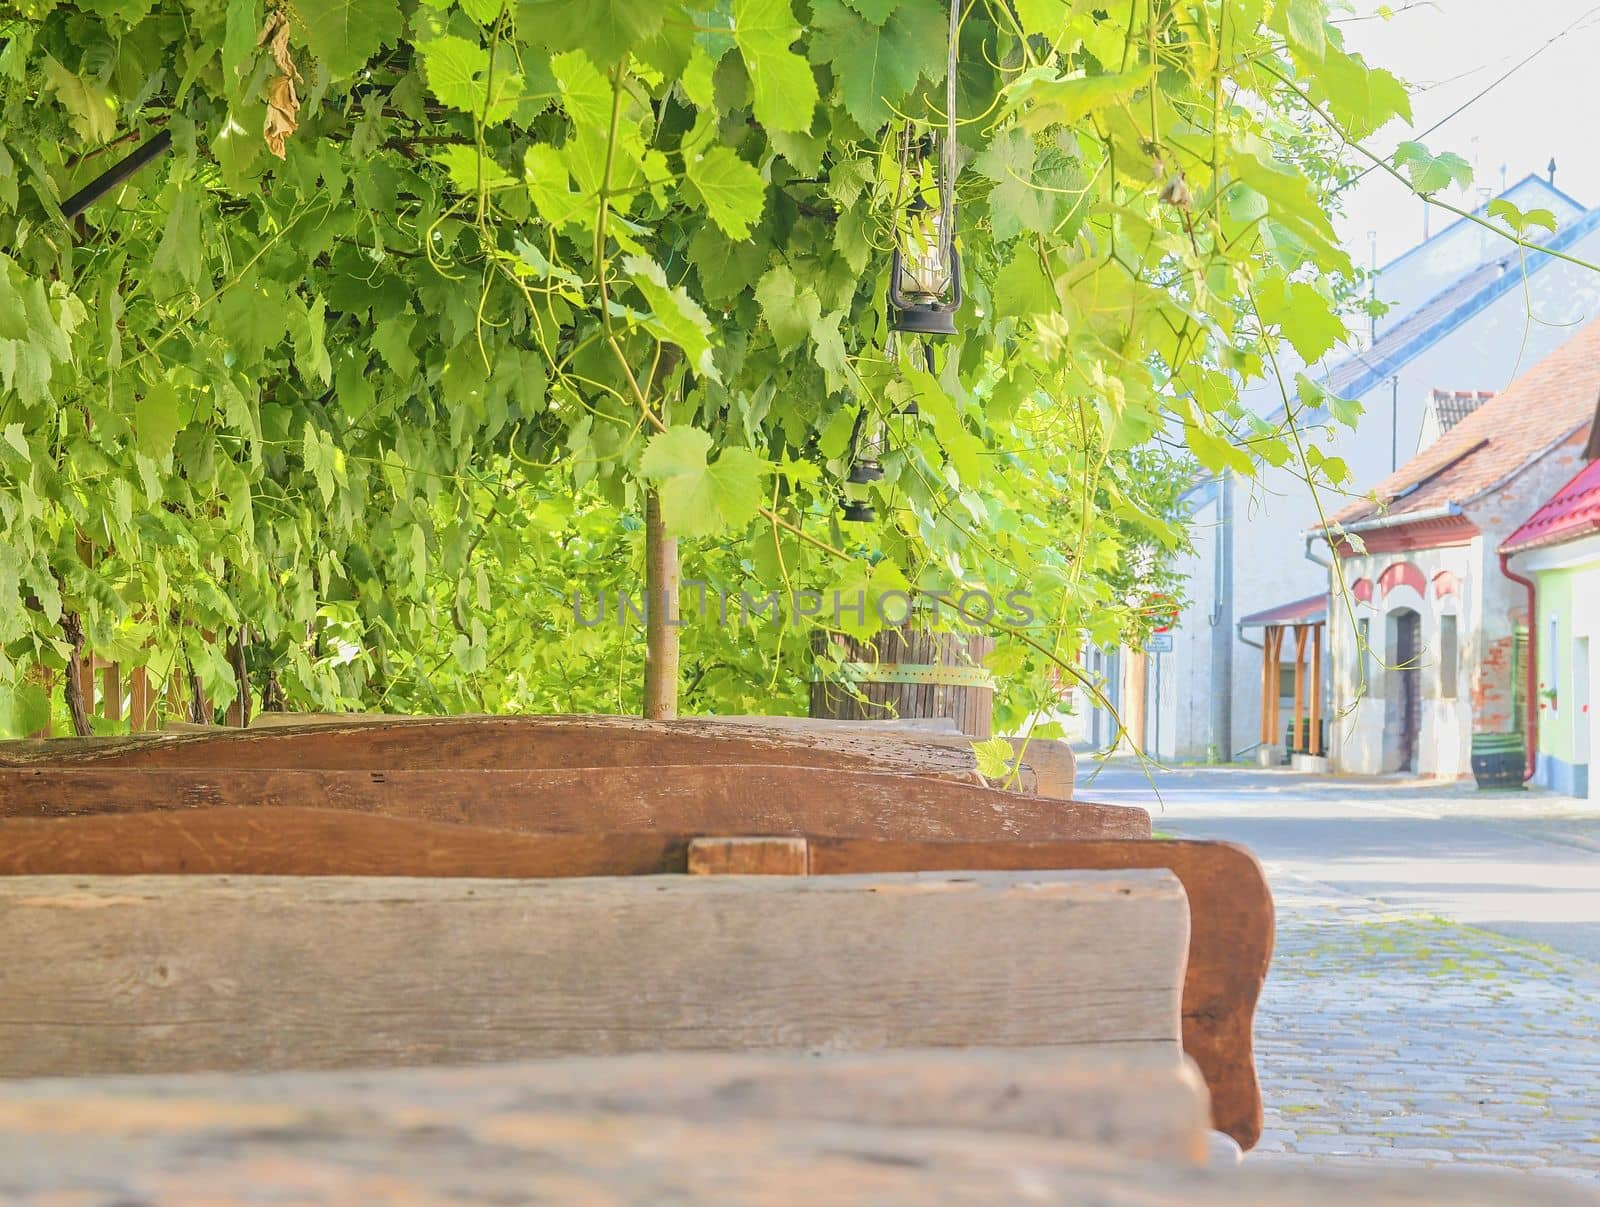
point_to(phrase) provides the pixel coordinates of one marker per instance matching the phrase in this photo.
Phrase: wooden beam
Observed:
(1267, 702)
(512, 743)
(1316, 689)
(1276, 678)
(748, 857)
(713, 799)
(111, 691)
(1137, 1104)
(263, 973)
(1297, 738)
(441, 1150)
(142, 704)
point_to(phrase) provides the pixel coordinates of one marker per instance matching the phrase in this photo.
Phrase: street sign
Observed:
(1158, 643)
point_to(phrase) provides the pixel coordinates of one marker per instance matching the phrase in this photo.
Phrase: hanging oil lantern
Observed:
(925, 275)
(866, 449)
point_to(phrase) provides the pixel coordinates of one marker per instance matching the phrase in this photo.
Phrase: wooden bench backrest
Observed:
(712, 798)
(1229, 901)
(511, 743)
(266, 973)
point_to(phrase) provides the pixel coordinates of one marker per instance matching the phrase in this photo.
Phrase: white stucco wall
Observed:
(1410, 279)
(1361, 736)
(1269, 567)
(1489, 607)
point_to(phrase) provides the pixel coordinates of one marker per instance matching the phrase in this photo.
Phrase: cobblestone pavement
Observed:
(1391, 1034)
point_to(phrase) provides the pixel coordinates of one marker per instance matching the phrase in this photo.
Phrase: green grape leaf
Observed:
(92, 108)
(876, 11)
(994, 757)
(698, 499)
(1304, 21)
(13, 320)
(733, 191)
(156, 421)
(24, 708)
(785, 91)
(875, 68)
(344, 34)
(458, 74)
(551, 189)
(790, 311)
(1309, 320)
(607, 29)
(674, 318)
(468, 171)
(1429, 173)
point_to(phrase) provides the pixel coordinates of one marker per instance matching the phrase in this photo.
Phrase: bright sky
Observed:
(1451, 50)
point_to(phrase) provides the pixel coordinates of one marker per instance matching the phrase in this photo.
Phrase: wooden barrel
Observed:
(906, 673)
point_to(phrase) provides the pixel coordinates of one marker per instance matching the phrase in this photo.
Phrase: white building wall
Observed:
(1427, 269)
(1489, 607)
(1269, 565)
(1361, 735)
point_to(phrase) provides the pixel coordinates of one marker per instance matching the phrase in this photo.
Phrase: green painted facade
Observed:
(1568, 625)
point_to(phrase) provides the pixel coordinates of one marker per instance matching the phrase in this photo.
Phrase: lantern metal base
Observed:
(930, 318)
(862, 472)
(857, 512)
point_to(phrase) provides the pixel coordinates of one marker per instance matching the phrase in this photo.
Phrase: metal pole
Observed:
(1394, 423)
(113, 176)
(1222, 626)
(1157, 706)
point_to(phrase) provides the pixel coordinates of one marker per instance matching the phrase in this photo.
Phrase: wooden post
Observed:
(1266, 686)
(141, 701)
(1316, 689)
(45, 678)
(1296, 741)
(1275, 644)
(111, 691)
(661, 605)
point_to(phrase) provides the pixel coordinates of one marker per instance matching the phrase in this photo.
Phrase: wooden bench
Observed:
(1229, 902)
(171, 974)
(180, 806)
(1002, 1129)
(1139, 1104)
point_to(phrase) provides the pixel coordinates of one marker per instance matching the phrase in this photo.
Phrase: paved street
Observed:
(1435, 993)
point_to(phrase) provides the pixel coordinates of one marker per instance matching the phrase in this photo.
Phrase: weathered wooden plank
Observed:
(292, 841)
(1141, 1103)
(500, 743)
(170, 974)
(748, 857)
(1231, 925)
(711, 798)
(226, 1153)
(1049, 768)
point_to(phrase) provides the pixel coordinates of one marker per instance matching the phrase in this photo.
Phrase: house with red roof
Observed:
(1556, 555)
(1429, 638)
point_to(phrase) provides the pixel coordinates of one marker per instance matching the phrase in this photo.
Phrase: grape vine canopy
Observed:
(340, 402)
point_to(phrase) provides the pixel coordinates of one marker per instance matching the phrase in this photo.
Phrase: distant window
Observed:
(1552, 659)
(1449, 657)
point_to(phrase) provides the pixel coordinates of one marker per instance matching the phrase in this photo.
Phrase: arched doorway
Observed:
(1402, 722)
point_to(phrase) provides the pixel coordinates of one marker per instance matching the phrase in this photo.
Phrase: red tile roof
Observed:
(1545, 407)
(1310, 610)
(1573, 511)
